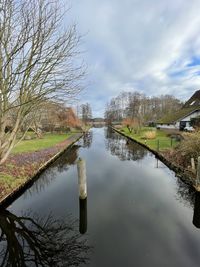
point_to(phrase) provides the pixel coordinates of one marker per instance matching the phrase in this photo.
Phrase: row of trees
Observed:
(55, 117)
(37, 64)
(139, 107)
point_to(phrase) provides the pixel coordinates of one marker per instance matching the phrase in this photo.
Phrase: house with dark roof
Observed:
(182, 118)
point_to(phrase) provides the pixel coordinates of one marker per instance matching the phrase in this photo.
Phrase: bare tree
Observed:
(131, 124)
(86, 113)
(36, 62)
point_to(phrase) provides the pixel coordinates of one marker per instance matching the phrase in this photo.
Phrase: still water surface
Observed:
(137, 212)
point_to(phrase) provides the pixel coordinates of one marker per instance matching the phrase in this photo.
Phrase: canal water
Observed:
(137, 213)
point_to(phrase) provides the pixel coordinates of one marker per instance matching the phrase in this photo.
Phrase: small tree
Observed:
(86, 113)
(71, 119)
(131, 124)
(188, 148)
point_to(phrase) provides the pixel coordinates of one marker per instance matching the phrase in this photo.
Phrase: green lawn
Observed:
(46, 141)
(165, 142)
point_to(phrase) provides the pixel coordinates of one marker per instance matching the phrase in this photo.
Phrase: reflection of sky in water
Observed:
(137, 215)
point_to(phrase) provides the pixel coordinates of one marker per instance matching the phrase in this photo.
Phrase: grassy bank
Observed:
(29, 157)
(48, 140)
(161, 140)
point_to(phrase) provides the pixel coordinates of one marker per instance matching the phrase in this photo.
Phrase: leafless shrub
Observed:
(150, 134)
(189, 148)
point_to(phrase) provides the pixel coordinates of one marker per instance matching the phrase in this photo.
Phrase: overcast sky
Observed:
(150, 46)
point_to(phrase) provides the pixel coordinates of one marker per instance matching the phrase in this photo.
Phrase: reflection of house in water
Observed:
(31, 240)
(122, 147)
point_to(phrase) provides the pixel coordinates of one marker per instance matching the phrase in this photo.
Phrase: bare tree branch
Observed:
(37, 62)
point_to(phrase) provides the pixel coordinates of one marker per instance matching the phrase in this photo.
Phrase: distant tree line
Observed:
(140, 108)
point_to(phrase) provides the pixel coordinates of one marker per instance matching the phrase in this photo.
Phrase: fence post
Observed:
(198, 172)
(171, 141)
(193, 165)
(158, 144)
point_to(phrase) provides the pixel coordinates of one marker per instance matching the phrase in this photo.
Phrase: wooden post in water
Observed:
(83, 216)
(196, 216)
(82, 182)
(156, 162)
(193, 165)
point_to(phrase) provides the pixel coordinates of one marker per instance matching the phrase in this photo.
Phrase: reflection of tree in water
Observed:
(32, 241)
(86, 140)
(60, 165)
(122, 147)
(191, 198)
(185, 193)
(66, 159)
(196, 215)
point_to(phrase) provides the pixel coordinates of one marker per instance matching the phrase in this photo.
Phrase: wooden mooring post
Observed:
(82, 185)
(82, 181)
(197, 184)
(193, 165)
(196, 215)
(83, 216)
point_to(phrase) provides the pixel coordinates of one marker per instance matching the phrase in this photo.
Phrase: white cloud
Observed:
(139, 44)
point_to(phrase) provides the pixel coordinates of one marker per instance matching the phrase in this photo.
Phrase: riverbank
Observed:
(21, 169)
(184, 174)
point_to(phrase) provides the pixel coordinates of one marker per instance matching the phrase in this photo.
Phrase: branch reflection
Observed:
(196, 216)
(33, 241)
(86, 140)
(122, 147)
(60, 165)
(185, 193)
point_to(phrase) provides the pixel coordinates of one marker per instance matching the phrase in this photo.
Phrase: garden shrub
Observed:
(150, 134)
(189, 147)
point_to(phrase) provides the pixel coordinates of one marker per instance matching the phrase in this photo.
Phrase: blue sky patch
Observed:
(195, 61)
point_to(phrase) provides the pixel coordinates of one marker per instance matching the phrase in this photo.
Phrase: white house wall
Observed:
(167, 126)
(177, 124)
(193, 115)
